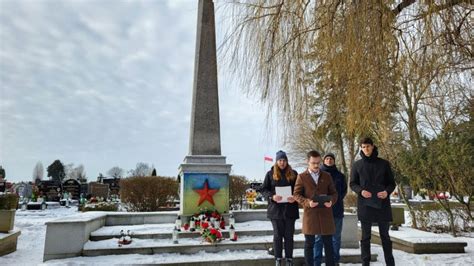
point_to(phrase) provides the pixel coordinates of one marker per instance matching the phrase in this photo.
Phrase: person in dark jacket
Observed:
(281, 214)
(340, 183)
(372, 180)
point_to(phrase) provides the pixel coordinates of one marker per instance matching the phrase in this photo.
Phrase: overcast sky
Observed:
(108, 83)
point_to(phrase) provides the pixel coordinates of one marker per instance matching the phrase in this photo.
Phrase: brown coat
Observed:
(316, 221)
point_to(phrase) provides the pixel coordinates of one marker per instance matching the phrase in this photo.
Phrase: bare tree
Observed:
(147, 193)
(76, 173)
(237, 186)
(350, 46)
(80, 173)
(336, 70)
(38, 172)
(116, 172)
(69, 170)
(142, 169)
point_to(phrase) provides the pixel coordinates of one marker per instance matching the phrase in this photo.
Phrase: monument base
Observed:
(8, 242)
(204, 184)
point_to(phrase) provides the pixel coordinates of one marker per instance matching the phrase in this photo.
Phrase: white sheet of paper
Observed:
(284, 192)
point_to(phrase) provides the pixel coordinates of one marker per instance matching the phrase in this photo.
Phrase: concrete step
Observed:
(237, 258)
(8, 241)
(420, 242)
(297, 261)
(163, 231)
(185, 245)
(166, 233)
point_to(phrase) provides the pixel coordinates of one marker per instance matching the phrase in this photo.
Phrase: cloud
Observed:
(104, 83)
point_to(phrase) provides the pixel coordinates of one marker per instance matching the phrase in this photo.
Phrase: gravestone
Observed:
(98, 190)
(84, 189)
(3, 176)
(50, 189)
(204, 174)
(114, 185)
(408, 192)
(73, 187)
(23, 189)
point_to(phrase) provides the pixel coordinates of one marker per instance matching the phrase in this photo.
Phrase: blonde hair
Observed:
(289, 174)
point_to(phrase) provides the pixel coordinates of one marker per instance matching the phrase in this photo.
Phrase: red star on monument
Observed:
(206, 194)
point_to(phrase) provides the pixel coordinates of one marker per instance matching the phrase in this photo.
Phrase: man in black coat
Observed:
(372, 180)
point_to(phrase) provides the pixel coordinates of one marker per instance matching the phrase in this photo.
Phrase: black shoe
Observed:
(278, 262)
(289, 262)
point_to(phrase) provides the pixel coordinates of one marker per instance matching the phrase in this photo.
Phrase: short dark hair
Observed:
(366, 140)
(313, 153)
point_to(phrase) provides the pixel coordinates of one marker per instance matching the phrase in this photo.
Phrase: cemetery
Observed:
(196, 218)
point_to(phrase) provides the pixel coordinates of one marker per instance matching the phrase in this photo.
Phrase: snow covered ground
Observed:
(33, 230)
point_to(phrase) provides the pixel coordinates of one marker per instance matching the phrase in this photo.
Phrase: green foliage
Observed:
(211, 235)
(147, 193)
(8, 201)
(441, 164)
(259, 206)
(56, 171)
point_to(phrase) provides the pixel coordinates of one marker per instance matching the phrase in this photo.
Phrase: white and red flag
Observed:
(268, 158)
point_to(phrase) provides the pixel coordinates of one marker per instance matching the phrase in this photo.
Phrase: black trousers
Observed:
(386, 242)
(283, 229)
(309, 250)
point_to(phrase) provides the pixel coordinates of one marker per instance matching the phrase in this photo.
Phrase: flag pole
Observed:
(263, 167)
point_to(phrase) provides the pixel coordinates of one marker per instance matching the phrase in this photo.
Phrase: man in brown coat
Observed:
(315, 191)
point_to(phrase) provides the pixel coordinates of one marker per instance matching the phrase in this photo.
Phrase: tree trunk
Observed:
(466, 205)
(340, 145)
(447, 208)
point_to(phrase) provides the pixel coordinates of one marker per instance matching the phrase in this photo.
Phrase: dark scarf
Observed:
(329, 169)
(375, 154)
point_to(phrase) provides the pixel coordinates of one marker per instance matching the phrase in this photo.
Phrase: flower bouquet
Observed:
(208, 214)
(207, 218)
(125, 238)
(211, 235)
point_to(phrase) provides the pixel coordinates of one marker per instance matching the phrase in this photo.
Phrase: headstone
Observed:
(114, 185)
(408, 192)
(23, 189)
(50, 190)
(3, 185)
(2, 174)
(9, 187)
(3, 182)
(204, 174)
(73, 187)
(84, 189)
(36, 206)
(98, 190)
(398, 215)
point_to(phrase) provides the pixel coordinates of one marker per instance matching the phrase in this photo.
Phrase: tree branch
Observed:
(398, 9)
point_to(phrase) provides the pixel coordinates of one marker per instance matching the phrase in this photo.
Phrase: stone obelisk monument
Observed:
(204, 173)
